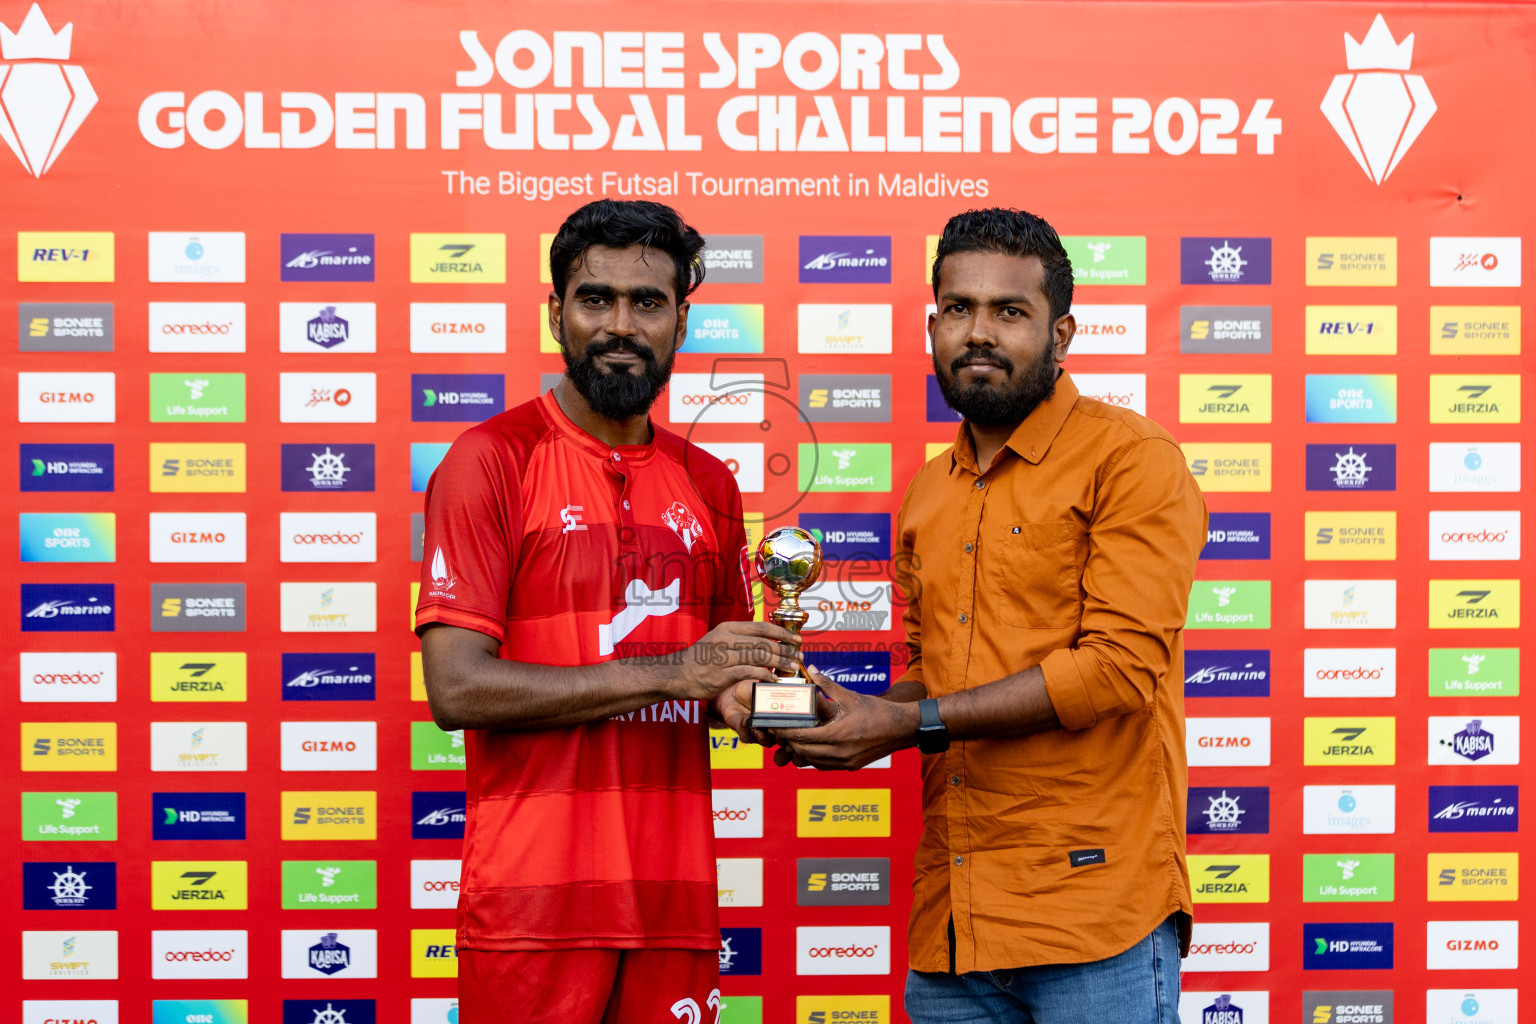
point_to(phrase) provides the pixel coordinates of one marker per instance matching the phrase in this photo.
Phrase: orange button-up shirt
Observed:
(1074, 551)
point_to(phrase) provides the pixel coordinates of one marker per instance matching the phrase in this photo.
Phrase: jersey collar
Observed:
(635, 453)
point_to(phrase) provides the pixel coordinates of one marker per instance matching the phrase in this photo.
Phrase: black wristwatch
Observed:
(932, 735)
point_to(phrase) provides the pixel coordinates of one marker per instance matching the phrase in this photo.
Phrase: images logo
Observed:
(1351, 330)
(845, 259)
(67, 467)
(1349, 810)
(80, 885)
(1230, 466)
(1226, 673)
(1347, 878)
(199, 815)
(46, 100)
(64, 326)
(1348, 947)
(1228, 810)
(206, 256)
(1353, 467)
(458, 258)
(68, 608)
(1224, 260)
(438, 815)
(1107, 259)
(1474, 467)
(1376, 109)
(326, 257)
(1237, 536)
(1227, 742)
(1350, 536)
(457, 397)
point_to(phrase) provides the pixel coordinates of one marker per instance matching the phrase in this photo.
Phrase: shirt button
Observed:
(969, 548)
(616, 456)
(980, 484)
(626, 504)
(959, 861)
(964, 617)
(954, 780)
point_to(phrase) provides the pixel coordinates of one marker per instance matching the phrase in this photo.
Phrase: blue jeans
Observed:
(1139, 986)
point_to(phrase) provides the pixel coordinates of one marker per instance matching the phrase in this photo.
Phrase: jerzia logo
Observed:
(1377, 110)
(42, 102)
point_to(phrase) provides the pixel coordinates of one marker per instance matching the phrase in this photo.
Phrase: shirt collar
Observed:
(1032, 438)
(638, 453)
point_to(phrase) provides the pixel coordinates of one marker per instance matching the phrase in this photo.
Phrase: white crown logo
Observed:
(36, 41)
(1377, 110)
(41, 105)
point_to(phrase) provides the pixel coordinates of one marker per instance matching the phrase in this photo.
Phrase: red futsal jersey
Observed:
(572, 552)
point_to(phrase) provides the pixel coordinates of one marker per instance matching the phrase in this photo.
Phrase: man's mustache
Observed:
(981, 357)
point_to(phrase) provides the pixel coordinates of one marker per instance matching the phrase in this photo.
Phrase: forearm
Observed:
(1016, 705)
(906, 692)
(492, 693)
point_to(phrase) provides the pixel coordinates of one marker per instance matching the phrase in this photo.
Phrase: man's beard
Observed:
(616, 394)
(997, 405)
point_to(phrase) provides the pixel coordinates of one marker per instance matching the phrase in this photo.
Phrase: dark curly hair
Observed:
(621, 224)
(1012, 233)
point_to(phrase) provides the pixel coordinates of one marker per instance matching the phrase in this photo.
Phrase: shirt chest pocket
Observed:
(1034, 573)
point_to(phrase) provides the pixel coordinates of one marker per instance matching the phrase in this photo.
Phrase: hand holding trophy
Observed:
(788, 562)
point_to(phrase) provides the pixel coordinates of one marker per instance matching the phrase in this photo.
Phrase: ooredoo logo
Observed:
(1474, 536)
(843, 950)
(199, 954)
(328, 536)
(435, 884)
(1229, 946)
(738, 813)
(1350, 672)
(197, 327)
(68, 676)
(701, 396)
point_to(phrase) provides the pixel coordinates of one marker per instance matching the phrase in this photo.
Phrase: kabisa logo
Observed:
(1377, 110)
(68, 607)
(1222, 1011)
(1224, 260)
(45, 100)
(1237, 536)
(1472, 742)
(328, 676)
(1474, 808)
(328, 467)
(845, 259)
(79, 885)
(741, 951)
(457, 397)
(198, 815)
(67, 467)
(327, 257)
(1352, 467)
(1216, 673)
(330, 955)
(438, 815)
(860, 671)
(1229, 810)
(323, 1011)
(326, 330)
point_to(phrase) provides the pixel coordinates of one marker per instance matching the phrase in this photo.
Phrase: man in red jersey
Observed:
(574, 552)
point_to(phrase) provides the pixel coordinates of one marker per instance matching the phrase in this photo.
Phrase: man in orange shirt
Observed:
(1047, 561)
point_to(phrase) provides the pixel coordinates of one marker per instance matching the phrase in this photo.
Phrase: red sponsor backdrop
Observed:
(1122, 121)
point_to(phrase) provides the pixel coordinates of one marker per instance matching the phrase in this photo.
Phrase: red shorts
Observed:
(590, 986)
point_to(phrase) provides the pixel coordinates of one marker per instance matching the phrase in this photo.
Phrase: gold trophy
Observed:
(788, 561)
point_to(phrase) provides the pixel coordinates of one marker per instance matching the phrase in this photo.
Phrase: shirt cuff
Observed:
(428, 614)
(1068, 691)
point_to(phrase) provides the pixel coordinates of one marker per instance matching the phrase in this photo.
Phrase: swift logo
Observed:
(640, 603)
(1376, 109)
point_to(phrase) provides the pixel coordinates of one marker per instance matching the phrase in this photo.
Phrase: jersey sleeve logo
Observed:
(443, 579)
(682, 522)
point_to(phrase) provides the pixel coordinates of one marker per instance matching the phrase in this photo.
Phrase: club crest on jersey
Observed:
(683, 523)
(443, 579)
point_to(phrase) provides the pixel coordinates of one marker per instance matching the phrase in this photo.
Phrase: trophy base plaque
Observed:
(783, 705)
